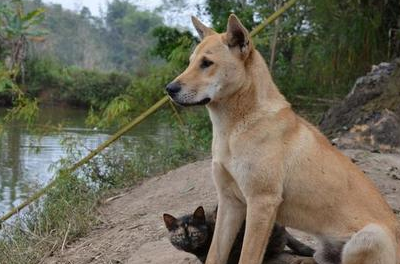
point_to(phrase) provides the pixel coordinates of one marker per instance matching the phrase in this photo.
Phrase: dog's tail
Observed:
(298, 247)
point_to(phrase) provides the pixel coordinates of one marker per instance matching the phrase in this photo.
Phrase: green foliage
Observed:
(345, 39)
(74, 85)
(16, 28)
(73, 39)
(219, 12)
(129, 33)
(14, 22)
(196, 132)
(6, 82)
(92, 87)
(148, 88)
(25, 110)
(168, 39)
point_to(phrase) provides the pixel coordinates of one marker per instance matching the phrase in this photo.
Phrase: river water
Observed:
(26, 157)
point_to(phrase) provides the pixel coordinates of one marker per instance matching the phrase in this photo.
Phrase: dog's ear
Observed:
(199, 215)
(237, 36)
(170, 221)
(202, 29)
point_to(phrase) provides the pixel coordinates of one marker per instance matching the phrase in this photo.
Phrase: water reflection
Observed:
(25, 157)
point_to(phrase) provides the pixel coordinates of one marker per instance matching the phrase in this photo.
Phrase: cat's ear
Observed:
(199, 215)
(170, 221)
(202, 29)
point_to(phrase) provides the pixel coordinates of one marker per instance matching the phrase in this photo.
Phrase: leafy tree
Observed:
(128, 33)
(219, 12)
(16, 28)
(168, 39)
(117, 41)
(74, 38)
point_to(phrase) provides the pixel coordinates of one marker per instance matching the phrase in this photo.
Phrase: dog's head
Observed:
(217, 65)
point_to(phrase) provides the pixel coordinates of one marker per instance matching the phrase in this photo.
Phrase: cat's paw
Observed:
(304, 260)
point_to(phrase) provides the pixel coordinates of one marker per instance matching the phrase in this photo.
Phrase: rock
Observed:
(379, 132)
(369, 116)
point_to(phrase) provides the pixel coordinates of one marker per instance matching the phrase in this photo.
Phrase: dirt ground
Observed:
(132, 230)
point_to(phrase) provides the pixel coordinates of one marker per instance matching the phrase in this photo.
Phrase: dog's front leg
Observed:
(260, 218)
(230, 217)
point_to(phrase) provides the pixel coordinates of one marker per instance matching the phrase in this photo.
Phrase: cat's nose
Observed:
(173, 88)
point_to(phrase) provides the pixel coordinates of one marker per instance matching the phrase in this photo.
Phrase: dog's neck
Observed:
(257, 96)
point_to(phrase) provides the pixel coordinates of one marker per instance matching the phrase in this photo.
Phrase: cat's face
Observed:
(188, 233)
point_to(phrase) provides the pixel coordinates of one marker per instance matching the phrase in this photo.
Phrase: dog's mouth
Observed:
(201, 102)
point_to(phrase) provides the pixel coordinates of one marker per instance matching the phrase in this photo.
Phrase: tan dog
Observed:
(269, 164)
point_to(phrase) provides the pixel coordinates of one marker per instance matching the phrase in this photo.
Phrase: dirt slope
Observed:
(132, 230)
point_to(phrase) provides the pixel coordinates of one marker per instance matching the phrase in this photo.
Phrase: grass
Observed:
(67, 212)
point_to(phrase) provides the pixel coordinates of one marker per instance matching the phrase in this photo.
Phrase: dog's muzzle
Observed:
(173, 88)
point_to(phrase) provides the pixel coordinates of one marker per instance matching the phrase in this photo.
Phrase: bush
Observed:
(73, 85)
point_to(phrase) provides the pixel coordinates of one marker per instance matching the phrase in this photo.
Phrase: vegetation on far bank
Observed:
(117, 65)
(314, 49)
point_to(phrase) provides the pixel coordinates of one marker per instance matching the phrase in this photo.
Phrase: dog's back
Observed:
(318, 179)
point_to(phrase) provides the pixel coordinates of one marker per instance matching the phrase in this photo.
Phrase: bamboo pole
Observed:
(129, 126)
(272, 18)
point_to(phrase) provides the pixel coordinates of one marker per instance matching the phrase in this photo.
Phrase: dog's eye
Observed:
(206, 63)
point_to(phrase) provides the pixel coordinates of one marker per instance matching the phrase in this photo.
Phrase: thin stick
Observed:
(65, 239)
(322, 100)
(176, 113)
(274, 40)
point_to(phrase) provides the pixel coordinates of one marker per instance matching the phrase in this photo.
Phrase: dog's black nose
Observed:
(173, 88)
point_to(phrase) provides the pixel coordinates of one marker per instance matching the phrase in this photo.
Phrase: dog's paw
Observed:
(304, 260)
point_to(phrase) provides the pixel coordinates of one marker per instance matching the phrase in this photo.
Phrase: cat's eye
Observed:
(194, 234)
(205, 63)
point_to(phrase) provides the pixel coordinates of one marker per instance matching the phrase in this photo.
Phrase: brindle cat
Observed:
(193, 233)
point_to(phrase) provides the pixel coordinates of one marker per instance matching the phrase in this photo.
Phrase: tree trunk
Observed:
(275, 38)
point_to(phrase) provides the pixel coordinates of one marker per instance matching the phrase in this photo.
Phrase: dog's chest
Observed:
(233, 166)
(237, 153)
(226, 179)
